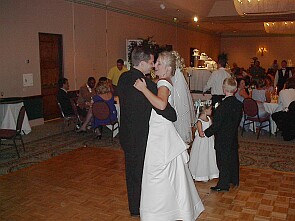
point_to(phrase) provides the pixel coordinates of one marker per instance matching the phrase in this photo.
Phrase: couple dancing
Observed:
(158, 179)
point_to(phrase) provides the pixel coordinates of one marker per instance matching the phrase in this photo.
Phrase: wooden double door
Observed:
(51, 68)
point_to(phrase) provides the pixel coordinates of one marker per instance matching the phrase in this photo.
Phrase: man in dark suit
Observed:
(225, 125)
(63, 97)
(282, 76)
(135, 112)
(285, 121)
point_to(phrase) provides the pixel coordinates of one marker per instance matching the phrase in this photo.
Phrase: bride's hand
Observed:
(140, 84)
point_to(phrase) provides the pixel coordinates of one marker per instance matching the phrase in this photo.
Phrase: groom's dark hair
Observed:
(140, 53)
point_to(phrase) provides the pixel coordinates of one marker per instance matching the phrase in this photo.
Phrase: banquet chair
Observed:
(251, 116)
(74, 106)
(10, 134)
(101, 111)
(68, 119)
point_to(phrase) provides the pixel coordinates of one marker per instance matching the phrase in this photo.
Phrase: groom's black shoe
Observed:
(217, 189)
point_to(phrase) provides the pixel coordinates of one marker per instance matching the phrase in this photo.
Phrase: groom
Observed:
(135, 112)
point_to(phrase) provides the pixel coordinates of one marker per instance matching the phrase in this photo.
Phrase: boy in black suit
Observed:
(225, 129)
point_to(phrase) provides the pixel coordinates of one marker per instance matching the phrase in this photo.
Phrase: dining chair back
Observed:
(10, 134)
(251, 116)
(74, 107)
(102, 112)
(68, 119)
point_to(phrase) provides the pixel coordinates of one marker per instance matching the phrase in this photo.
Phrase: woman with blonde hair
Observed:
(103, 93)
(168, 191)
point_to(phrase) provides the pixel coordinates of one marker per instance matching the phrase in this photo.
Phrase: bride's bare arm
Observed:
(160, 101)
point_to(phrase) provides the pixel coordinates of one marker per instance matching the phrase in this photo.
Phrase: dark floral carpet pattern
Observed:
(46, 148)
(279, 157)
(253, 154)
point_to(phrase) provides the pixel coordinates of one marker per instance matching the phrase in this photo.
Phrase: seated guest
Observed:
(275, 66)
(86, 93)
(260, 95)
(256, 71)
(241, 93)
(106, 81)
(285, 121)
(63, 97)
(268, 85)
(287, 95)
(235, 70)
(103, 94)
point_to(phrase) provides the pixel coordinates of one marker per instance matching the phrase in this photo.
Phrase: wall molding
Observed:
(138, 15)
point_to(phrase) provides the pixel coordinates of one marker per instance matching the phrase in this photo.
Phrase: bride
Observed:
(168, 191)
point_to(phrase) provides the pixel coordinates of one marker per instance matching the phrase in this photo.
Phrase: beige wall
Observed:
(242, 49)
(87, 48)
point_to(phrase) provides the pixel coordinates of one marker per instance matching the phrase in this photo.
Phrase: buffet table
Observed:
(9, 111)
(197, 78)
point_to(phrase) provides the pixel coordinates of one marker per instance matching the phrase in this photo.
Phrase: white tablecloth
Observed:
(272, 108)
(198, 79)
(9, 114)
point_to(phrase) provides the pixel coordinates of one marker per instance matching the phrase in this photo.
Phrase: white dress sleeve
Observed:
(165, 83)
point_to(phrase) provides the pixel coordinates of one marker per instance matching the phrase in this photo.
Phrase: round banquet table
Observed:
(272, 108)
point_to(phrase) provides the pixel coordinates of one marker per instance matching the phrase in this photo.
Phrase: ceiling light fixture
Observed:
(284, 27)
(196, 19)
(264, 7)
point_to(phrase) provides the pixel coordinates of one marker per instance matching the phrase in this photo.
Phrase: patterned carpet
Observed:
(263, 153)
(260, 155)
(48, 147)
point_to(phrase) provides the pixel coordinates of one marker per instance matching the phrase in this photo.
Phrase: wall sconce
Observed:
(262, 50)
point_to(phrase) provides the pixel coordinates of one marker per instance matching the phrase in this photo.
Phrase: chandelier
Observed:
(264, 7)
(285, 27)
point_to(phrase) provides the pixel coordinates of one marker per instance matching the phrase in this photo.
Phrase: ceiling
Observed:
(215, 16)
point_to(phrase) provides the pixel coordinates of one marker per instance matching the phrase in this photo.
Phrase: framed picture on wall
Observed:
(130, 44)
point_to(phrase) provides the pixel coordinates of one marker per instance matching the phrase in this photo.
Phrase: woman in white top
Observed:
(168, 191)
(261, 95)
(241, 93)
(287, 95)
(268, 84)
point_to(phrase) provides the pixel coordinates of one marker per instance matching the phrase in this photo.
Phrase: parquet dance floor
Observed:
(89, 184)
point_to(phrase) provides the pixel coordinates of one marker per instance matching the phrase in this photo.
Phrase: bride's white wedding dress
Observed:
(168, 191)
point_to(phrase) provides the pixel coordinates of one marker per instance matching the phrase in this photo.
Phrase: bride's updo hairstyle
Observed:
(172, 59)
